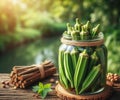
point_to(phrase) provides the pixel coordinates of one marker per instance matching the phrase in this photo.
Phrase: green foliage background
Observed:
(24, 20)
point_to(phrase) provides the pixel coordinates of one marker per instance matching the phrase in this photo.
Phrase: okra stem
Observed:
(77, 25)
(69, 28)
(75, 35)
(95, 31)
(84, 34)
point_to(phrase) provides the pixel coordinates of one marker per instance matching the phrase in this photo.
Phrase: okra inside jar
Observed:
(82, 69)
(82, 59)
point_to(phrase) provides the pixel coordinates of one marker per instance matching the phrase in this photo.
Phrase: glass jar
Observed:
(82, 65)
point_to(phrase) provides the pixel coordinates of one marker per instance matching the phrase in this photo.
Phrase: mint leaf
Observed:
(42, 89)
(47, 85)
(39, 91)
(43, 94)
(45, 91)
(41, 85)
(35, 88)
(48, 89)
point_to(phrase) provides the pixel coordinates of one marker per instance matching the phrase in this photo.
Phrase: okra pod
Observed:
(62, 75)
(85, 31)
(65, 34)
(74, 56)
(84, 34)
(93, 60)
(96, 86)
(95, 31)
(90, 79)
(69, 28)
(105, 53)
(68, 67)
(77, 25)
(87, 26)
(102, 57)
(75, 35)
(89, 50)
(80, 70)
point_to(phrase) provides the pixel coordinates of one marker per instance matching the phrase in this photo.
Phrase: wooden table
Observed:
(27, 94)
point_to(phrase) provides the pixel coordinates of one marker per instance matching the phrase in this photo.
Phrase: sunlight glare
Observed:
(15, 1)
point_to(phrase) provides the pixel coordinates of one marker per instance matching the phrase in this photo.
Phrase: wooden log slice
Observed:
(65, 95)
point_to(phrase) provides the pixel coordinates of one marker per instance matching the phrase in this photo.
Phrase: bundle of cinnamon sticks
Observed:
(23, 76)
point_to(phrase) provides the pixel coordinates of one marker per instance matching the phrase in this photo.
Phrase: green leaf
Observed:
(42, 89)
(35, 88)
(43, 94)
(47, 85)
(41, 85)
(45, 91)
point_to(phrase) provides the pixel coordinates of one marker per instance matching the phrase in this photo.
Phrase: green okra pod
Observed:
(90, 79)
(87, 26)
(84, 35)
(75, 35)
(96, 85)
(74, 56)
(65, 34)
(85, 31)
(93, 60)
(95, 31)
(105, 53)
(89, 50)
(77, 25)
(80, 70)
(69, 28)
(69, 70)
(102, 57)
(62, 75)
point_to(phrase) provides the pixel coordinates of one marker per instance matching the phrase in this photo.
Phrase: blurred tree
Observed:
(103, 11)
(106, 12)
(114, 11)
(7, 18)
(67, 10)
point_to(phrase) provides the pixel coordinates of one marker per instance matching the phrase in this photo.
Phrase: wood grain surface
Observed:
(10, 93)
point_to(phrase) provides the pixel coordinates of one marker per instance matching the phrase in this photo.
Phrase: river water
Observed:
(32, 53)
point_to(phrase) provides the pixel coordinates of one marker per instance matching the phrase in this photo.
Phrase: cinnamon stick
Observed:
(50, 71)
(46, 62)
(23, 76)
(28, 71)
(12, 73)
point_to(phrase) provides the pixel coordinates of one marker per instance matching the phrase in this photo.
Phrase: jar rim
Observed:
(93, 42)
